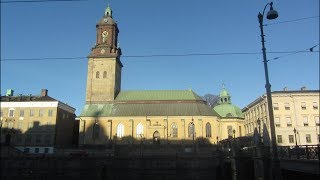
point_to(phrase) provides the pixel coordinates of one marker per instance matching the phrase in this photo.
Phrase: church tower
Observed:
(104, 65)
(224, 96)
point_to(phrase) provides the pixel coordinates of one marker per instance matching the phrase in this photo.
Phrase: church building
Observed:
(151, 116)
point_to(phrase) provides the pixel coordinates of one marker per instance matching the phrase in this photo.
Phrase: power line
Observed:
(160, 55)
(293, 20)
(39, 1)
(296, 52)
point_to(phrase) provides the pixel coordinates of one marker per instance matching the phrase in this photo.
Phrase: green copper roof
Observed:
(228, 111)
(147, 109)
(224, 93)
(157, 95)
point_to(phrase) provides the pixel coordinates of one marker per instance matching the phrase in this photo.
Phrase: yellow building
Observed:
(154, 116)
(36, 124)
(296, 116)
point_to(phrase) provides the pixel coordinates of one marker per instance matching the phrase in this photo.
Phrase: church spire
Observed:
(108, 11)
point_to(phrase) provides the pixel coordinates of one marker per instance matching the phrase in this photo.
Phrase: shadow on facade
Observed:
(46, 137)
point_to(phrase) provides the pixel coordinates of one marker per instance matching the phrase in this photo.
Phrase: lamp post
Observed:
(94, 131)
(234, 134)
(295, 136)
(272, 14)
(141, 142)
(259, 124)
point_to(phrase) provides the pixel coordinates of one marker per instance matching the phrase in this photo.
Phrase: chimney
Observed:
(303, 88)
(285, 88)
(9, 92)
(44, 92)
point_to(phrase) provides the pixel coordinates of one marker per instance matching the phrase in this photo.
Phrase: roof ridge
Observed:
(154, 90)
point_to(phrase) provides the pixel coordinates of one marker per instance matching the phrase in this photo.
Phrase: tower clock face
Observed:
(105, 20)
(102, 51)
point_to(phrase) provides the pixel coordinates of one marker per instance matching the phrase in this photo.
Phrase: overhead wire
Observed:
(37, 1)
(296, 52)
(293, 20)
(166, 55)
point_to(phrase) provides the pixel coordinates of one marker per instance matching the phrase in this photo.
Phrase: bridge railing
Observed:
(310, 152)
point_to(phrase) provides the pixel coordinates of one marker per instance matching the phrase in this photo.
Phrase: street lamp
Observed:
(141, 142)
(259, 124)
(272, 14)
(295, 136)
(234, 134)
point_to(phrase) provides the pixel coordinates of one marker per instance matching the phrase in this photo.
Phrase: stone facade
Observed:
(148, 129)
(104, 79)
(293, 110)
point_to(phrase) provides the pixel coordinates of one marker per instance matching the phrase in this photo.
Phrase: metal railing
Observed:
(310, 152)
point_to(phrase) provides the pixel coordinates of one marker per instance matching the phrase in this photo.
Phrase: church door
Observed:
(156, 137)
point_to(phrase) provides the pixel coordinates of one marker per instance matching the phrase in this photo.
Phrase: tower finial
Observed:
(223, 85)
(108, 11)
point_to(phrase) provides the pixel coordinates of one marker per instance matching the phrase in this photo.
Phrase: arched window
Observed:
(191, 130)
(96, 131)
(208, 130)
(104, 74)
(120, 130)
(174, 130)
(97, 74)
(140, 130)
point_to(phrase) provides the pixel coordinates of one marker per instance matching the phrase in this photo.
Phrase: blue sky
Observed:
(67, 29)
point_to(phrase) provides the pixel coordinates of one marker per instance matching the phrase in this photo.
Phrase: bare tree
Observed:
(212, 100)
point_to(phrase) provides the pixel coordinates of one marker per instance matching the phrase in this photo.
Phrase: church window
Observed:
(174, 130)
(96, 131)
(225, 99)
(140, 130)
(120, 130)
(208, 130)
(104, 74)
(97, 74)
(191, 130)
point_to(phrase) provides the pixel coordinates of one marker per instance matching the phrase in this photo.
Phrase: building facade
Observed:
(36, 124)
(296, 116)
(153, 116)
